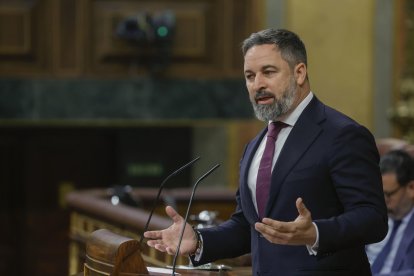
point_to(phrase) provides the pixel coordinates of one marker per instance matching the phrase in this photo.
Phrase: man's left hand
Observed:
(301, 231)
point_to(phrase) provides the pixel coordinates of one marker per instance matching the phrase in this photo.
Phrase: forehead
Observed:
(389, 180)
(262, 54)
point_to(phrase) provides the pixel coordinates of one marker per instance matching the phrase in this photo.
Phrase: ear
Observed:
(300, 73)
(410, 189)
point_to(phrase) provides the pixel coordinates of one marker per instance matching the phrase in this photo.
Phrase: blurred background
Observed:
(104, 93)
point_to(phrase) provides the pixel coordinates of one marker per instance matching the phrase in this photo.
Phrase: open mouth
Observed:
(264, 99)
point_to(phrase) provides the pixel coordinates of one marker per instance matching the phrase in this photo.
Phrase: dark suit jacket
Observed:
(332, 163)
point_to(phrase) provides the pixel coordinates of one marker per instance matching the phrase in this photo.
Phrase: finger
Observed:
(300, 205)
(152, 243)
(156, 244)
(276, 225)
(267, 229)
(270, 234)
(161, 247)
(173, 214)
(261, 228)
(271, 222)
(170, 251)
(153, 234)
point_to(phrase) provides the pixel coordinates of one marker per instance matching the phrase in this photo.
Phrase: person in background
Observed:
(307, 153)
(396, 252)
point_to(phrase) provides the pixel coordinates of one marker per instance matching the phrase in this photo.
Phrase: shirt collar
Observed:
(408, 216)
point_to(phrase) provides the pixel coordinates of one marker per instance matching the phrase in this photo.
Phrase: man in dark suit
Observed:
(395, 254)
(320, 157)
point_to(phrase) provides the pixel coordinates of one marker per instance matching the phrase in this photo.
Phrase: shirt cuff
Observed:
(199, 251)
(313, 250)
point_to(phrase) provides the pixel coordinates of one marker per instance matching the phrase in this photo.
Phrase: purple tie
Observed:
(264, 173)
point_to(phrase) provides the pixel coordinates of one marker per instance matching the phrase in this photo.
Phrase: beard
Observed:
(270, 112)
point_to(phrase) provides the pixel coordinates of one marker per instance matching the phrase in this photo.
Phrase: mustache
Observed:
(262, 93)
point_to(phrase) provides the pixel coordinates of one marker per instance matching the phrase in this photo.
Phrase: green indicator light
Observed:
(162, 31)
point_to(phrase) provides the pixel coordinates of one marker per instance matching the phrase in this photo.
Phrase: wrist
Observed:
(199, 243)
(314, 237)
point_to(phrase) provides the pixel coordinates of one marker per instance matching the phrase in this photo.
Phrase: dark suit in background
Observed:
(395, 254)
(405, 252)
(403, 264)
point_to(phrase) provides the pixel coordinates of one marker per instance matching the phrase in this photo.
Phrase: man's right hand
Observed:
(167, 240)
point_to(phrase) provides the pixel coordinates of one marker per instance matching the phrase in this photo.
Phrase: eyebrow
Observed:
(264, 67)
(269, 66)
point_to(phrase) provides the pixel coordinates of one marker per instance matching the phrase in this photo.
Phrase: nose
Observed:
(259, 82)
(387, 201)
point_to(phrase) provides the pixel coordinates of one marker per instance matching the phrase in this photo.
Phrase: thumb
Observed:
(302, 210)
(173, 214)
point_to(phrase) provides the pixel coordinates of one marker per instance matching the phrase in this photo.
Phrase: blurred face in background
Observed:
(399, 199)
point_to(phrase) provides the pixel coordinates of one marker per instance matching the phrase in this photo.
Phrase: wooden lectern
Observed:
(110, 254)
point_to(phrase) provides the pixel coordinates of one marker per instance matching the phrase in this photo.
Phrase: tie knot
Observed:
(274, 128)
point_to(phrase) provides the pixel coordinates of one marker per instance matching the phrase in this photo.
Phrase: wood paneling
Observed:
(190, 32)
(77, 37)
(15, 30)
(68, 37)
(24, 37)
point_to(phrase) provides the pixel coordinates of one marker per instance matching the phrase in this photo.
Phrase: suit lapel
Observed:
(407, 239)
(303, 134)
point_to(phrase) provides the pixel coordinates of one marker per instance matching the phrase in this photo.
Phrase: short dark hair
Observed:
(399, 162)
(290, 45)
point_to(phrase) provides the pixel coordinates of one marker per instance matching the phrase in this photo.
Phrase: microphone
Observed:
(159, 193)
(186, 215)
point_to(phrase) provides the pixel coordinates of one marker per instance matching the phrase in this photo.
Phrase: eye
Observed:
(249, 76)
(269, 72)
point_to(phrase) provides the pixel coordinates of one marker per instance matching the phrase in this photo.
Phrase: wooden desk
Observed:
(238, 271)
(92, 210)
